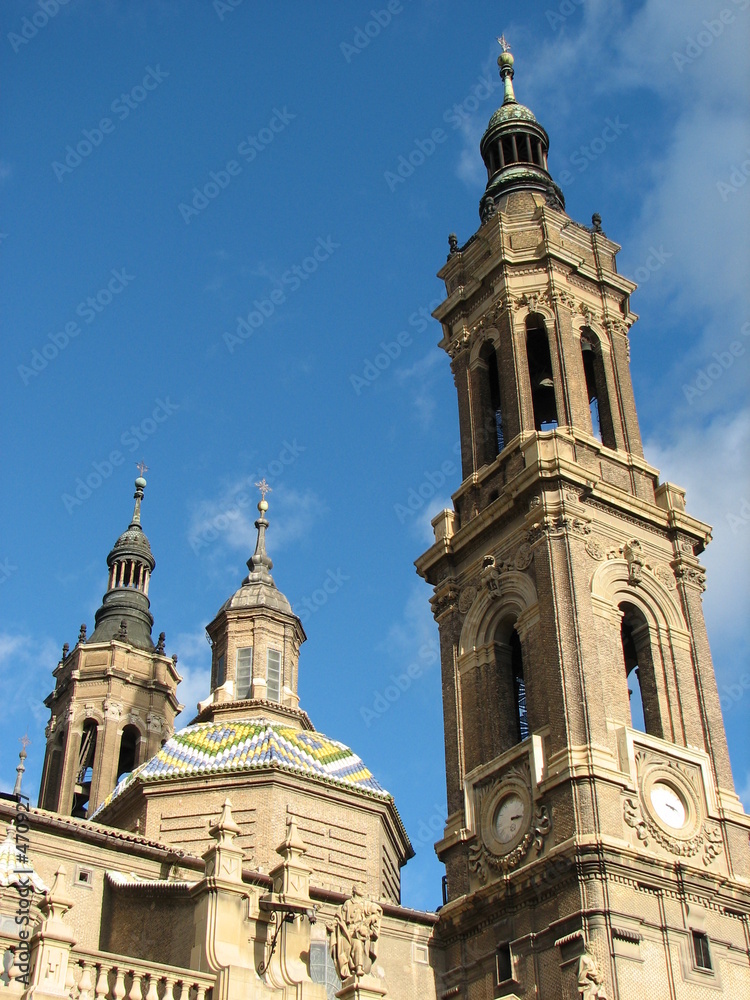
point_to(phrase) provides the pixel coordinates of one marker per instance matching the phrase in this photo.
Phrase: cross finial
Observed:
(504, 43)
(264, 488)
(24, 741)
(141, 466)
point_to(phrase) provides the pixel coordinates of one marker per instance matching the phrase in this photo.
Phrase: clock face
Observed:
(509, 817)
(668, 805)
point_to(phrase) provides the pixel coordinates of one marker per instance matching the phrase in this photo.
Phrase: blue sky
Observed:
(218, 179)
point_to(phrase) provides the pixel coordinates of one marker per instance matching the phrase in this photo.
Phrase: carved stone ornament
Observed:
(564, 298)
(154, 723)
(691, 576)
(595, 548)
(510, 824)
(590, 978)
(668, 809)
(112, 710)
(445, 600)
(633, 554)
(490, 576)
(524, 556)
(466, 599)
(532, 299)
(354, 935)
(664, 575)
(459, 343)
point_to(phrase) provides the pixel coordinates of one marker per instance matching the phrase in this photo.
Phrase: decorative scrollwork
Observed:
(465, 601)
(595, 548)
(524, 556)
(482, 860)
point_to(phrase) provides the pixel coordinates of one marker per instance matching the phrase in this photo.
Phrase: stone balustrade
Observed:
(98, 975)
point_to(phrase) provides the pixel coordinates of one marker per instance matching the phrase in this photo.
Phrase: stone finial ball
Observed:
(140, 482)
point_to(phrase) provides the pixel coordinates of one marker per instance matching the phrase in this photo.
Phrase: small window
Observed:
(244, 671)
(504, 964)
(700, 950)
(221, 671)
(273, 675)
(84, 876)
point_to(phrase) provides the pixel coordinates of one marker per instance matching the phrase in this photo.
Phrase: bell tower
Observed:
(594, 846)
(114, 701)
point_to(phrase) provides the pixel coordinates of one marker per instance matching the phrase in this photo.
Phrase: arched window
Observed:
(519, 687)
(129, 742)
(540, 374)
(493, 423)
(86, 758)
(639, 670)
(512, 706)
(596, 388)
(54, 772)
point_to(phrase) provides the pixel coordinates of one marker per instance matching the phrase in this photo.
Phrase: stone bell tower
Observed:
(114, 701)
(594, 846)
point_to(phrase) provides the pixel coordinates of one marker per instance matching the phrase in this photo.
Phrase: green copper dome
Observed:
(514, 149)
(512, 111)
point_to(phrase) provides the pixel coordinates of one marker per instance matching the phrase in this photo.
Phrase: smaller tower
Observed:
(114, 702)
(256, 638)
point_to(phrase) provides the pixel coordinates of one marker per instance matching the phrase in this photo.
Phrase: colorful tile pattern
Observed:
(218, 747)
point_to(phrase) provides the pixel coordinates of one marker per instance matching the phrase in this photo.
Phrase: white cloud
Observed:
(422, 377)
(26, 665)
(227, 521)
(194, 666)
(713, 464)
(413, 632)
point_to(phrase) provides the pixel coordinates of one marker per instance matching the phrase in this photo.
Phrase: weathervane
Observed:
(504, 43)
(264, 488)
(141, 466)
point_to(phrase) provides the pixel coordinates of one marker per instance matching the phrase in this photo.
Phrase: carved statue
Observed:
(354, 935)
(590, 978)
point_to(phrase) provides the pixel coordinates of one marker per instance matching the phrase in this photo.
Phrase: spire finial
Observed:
(259, 562)
(505, 62)
(24, 741)
(140, 485)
